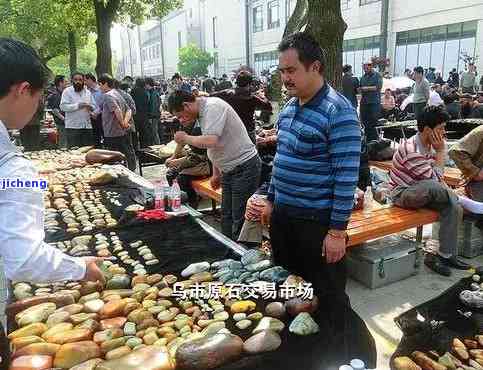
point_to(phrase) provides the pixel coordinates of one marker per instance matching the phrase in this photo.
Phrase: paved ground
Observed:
(379, 307)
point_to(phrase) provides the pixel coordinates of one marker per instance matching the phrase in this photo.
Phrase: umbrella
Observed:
(396, 83)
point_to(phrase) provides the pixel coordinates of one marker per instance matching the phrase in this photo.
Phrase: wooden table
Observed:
(386, 221)
(452, 176)
(363, 226)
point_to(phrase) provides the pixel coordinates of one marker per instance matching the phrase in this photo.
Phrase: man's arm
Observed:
(26, 257)
(203, 141)
(344, 151)
(127, 118)
(67, 104)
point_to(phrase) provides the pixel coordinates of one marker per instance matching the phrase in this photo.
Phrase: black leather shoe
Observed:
(455, 263)
(438, 266)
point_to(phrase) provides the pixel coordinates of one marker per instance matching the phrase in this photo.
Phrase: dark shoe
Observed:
(438, 266)
(455, 263)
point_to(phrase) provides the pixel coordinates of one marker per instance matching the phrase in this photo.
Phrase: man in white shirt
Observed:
(77, 102)
(25, 255)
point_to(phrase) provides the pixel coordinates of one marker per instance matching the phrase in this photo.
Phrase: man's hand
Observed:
(334, 248)
(215, 182)
(168, 161)
(267, 213)
(86, 106)
(173, 163)
(180, 137)
(93, 272)
(255, 207)
(437, 141)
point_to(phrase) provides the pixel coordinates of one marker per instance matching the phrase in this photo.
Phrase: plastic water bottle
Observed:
(357, 364)
(158, 195)
(175, 196)
(346, 367)
(368, 201)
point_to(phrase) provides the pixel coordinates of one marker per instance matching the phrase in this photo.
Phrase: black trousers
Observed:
(97, 131)
(30, 136)
(297, 246)
(122, 144)
(79, 137)
(370, 114)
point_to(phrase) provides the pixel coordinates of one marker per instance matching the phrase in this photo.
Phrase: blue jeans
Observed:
(238, 185)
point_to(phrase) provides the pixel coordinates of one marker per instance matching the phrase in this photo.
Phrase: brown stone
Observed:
(276, 309)
(105, 335)
(148, 323)
(71, 336)
(208, 352)
(87, 365)
(60, 300)
(139, 279)
(295, 306)
(202, 277)
(72, 354)
(146, 358)
(115, 322)
(35, 362)
(90, 287)
(47, 349)
(154, 279)
(112, 309)
(109, 345)
(118, 352)
(265, 341)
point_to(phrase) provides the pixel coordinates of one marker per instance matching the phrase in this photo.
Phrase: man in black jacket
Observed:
(244, 102)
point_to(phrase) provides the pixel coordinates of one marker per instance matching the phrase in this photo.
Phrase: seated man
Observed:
(388, 104)
(188, 164)
(417, 182)
(453, 106)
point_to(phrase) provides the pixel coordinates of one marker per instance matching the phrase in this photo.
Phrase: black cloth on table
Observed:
(433, 324)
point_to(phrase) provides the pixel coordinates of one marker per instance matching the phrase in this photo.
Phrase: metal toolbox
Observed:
(384, 261)
(470, 237)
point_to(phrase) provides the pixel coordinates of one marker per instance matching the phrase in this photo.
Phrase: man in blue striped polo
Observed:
(315, 172)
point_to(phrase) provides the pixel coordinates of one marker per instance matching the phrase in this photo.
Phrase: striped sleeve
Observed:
(344, 154)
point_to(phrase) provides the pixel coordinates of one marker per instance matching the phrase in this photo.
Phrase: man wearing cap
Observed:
(370, 88)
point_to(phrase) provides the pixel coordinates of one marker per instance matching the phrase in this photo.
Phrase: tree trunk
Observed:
(72, 51)
(104, 19)
(298, 19)
(325, 23)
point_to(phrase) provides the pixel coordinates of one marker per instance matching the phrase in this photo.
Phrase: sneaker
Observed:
(434, 263)
(455, 263)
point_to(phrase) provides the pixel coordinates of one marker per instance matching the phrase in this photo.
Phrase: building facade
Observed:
(433, 33)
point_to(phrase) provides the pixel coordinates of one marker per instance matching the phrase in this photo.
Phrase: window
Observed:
(258, 18)
(273, 14)
(345, 4)
(439, 47)
(365, 2)
(357, 51)
(180, 43)
(191, 13)
(215, 44)
(264, 61)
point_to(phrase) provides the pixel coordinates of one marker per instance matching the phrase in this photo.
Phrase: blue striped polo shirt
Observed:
(316, 167)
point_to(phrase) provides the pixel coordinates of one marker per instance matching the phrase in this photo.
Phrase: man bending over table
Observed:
(416, 181)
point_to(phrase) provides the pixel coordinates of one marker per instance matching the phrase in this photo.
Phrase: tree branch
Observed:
(298, 19)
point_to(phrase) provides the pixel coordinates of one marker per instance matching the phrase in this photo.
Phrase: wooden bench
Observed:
(452, 176)
(379, 222)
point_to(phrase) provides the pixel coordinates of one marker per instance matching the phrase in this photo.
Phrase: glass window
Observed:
(402, 38)
(179, 40)
(424, 55)
(467, 46)
(215, 21)
(350, 58)
(451, 56)
(412, 56)
(290, 7)
(357, 67)
(400, 60)
(437, 55)
(345, 4)
(273, 14)
(365, 2)
(454, 31)
(439, 33)
(413, 37)
(426, 34)
(258, 18)
(469, 29)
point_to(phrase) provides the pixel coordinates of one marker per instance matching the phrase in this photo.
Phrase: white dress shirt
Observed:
(74, 117)
(435, 99)
(25, 255)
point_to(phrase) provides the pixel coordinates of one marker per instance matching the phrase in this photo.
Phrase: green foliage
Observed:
(44, 24)
(193, 61)
(136, 11)
(86, 60)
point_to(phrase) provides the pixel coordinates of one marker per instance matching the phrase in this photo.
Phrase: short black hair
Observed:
(149, 81)
(347, 68)
(116, 83)
(307, 47)
(128, 78)
(90, 76)
(106, 79)
(124, 86)
(432, 116)
(244, 79)
(419, 70)
(76, 73)
(58, 79)
(176, 76)
(140, 82)
(20, 63)
(177, 99)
